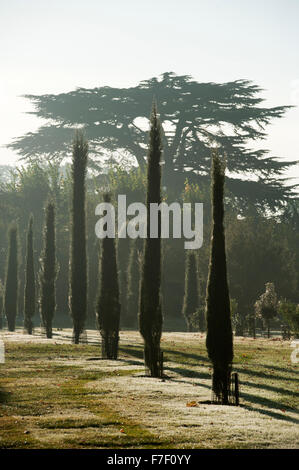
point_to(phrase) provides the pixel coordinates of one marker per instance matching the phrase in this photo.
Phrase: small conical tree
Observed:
(219, 340)
(1, 304)
(133, 282)
(48, 271)
(108, 308)
(78, 284)
(191, 299)
(123, 253)
(29, 291)
(266, 307)
(150, 306)
(12, 280)
(237, 323)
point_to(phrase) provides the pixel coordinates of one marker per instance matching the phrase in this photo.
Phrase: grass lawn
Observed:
(54, 394)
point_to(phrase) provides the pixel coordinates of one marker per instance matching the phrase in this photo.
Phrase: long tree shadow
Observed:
(263, 375)
(281, 369)
(270, 388)
(190, 373)
(270, 406)
(137, 351)
(4, 396)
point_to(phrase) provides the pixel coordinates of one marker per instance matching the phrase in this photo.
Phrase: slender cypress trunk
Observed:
(191, 300)
(29, 291)
(150, 308)
(12, 280)
(78, 294)
(108, 308)
(49, 271)
(219, 339)
(133, 282)
(1, 304)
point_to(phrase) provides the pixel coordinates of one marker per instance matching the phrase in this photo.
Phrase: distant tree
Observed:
(108, 308)
(237, 321)
(48, 271)
(250, 319)
(29, 292)
(12, 279)
(78, 285)
(266, 307)
(193, 113)
(258, 249)
(219, 340)
(289, 312)
(191, 298)
(123, 256)
(150, 308)
(1, 304)
(133, 282)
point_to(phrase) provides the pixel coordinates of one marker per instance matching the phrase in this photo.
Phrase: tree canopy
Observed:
(192, 114)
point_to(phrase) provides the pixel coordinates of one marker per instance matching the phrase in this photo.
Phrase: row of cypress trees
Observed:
(219, 332)
(47, 276)
(108, 308)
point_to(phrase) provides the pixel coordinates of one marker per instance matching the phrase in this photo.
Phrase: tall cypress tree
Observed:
(1, 304)
(191, 300)
(29, 291)
(133, 282)
(48, 271)
(150, 308)
(12, 279)
(219, 340)
(108, 308)
(78, 287)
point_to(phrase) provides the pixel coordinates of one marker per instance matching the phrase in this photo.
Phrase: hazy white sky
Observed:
(51, 46)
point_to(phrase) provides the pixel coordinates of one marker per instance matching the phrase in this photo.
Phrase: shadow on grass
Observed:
(280, 369)
(192, 374)
(270, 388)
(4, 396)
(269, 408)
(263, 375)
(269, 405)
(137, 351)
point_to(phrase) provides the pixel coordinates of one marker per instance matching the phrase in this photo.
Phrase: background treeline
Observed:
(261, 247)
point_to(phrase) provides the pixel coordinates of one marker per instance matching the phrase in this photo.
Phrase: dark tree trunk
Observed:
(12, 280)
(49, 271)
(219, 339)
(108, 308)
(191, 298)
(78, 294)
(150, 309)
(29, 295)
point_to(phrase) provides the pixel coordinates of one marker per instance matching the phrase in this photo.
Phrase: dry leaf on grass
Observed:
(191, 404)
